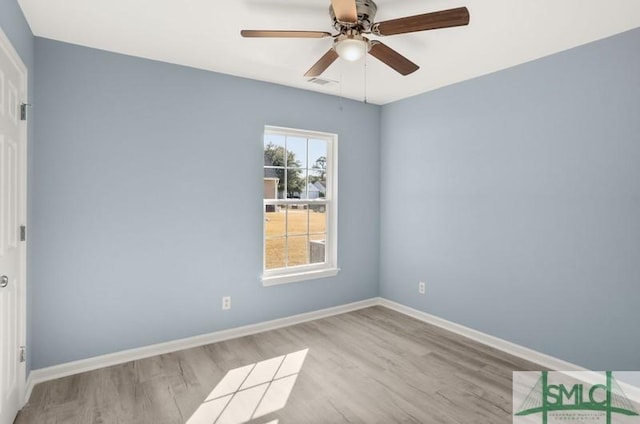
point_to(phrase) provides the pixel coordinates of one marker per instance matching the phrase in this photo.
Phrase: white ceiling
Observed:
(206, 34)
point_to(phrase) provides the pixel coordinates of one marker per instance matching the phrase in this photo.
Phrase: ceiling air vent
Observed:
(321, 81)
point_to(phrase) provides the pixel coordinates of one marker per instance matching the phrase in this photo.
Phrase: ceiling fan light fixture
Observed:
(351, 48)
(352, 18)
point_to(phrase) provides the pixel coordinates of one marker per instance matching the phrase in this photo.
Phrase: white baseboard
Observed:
(102, 361)
(531, 355)
(84, 365)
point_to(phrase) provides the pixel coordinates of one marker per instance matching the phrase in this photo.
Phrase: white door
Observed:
(12, 216)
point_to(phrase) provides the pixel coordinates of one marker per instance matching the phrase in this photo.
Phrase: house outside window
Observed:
(300, 205)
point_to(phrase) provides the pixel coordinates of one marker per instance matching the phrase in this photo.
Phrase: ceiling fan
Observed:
(352, 18)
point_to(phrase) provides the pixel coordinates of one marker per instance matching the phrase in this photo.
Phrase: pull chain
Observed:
(365, 75)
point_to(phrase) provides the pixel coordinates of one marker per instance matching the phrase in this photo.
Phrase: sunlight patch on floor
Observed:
(251, 391)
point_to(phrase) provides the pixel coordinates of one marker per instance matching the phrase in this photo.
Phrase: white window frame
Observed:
(329, 268)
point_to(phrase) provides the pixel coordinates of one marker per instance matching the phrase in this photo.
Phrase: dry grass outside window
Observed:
(288, 232)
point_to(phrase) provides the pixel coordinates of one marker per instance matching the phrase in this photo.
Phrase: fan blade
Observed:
(320, 66)
(345, 10)
(392, 58)
(443, 19)
(283, 34)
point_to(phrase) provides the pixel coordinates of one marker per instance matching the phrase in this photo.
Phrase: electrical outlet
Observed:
(226, 303)
(421, 287)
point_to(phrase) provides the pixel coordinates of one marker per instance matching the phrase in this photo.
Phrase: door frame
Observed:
(7, 46)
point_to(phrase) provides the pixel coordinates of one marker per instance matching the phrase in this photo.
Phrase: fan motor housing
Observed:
(366, 14)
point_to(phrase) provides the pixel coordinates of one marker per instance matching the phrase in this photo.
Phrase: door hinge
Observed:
(23, 354)
(23, 111)
(23, 232)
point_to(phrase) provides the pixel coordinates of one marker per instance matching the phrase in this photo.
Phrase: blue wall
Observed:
(149, 196)
(15, 26)
(516, 197)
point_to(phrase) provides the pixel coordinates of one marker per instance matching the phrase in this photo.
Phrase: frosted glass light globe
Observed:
(351, 49)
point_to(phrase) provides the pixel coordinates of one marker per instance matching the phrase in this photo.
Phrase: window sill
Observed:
(273, 280)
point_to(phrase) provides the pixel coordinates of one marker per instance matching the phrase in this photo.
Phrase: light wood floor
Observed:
(370, 366)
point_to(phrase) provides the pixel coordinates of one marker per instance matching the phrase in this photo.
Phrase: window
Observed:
(300, 205)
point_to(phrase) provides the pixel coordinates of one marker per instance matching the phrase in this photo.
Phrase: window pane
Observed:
(297, 218)
(274, 221)
(274, 253)
(274, 179)
(318, 154)
(317, 187)
(317, 248)
(274, 150)
(298, 250)
(317, 219)
(274, 162)
(296, 183)
(297, 152)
